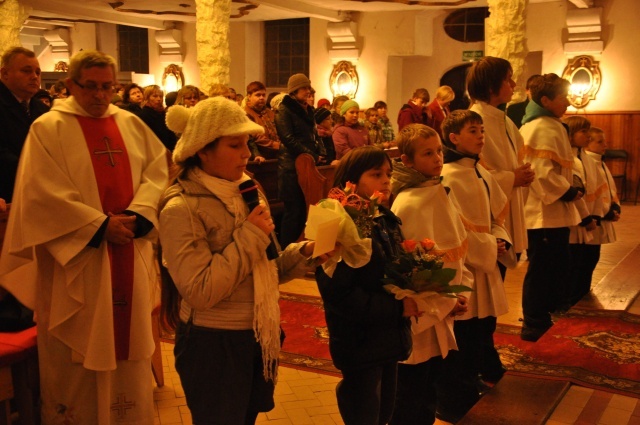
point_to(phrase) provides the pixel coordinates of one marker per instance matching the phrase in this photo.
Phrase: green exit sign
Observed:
(472, 55)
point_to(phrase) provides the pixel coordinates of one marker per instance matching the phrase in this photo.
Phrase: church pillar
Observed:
(505, 37)
(212, 41)
(12, 17)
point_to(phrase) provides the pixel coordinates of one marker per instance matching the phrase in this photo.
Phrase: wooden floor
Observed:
(309, 398)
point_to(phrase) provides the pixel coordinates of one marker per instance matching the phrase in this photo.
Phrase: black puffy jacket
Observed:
(296, 130)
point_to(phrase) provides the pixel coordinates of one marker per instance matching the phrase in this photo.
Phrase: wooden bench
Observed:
(618, 289)
(314, 181)
(19, 378)
(517, 400)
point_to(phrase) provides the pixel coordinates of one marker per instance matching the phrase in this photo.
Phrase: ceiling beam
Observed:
(583, 4)
(306, 9)
(78, 13)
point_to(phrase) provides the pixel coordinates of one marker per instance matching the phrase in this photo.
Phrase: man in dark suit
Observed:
(515, 111)
(19, 81)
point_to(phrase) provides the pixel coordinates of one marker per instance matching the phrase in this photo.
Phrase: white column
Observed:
(12, 17)
(212, 42)
(505, 37)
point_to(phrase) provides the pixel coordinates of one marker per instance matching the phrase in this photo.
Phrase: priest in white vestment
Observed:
(79, 250)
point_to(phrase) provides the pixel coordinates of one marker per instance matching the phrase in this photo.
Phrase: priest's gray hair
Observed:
(89, 59)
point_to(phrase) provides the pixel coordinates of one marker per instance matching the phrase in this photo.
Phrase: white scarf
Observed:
(266, 311)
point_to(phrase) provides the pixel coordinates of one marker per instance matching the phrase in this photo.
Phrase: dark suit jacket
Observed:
(14, 126)
(516, 112)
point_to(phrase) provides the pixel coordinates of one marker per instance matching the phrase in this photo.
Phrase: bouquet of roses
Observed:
(355, 216)
(420, 269)
(362, 211)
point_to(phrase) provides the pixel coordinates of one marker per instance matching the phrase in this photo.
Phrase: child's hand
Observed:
(410, 308)
(259, 159)
(261, 218)
(616, 216)
(592, 225)
(502, 247)
(461, 307)
(524, 175)
(578, 196)
(307, 251)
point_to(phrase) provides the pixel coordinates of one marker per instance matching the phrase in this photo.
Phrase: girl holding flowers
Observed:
(369, 330)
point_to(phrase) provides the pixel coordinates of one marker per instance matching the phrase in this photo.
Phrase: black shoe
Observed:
(494, 376)
(483, 386)
(532, 334)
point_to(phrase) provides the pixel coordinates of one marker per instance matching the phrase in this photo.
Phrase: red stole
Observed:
(113, 176)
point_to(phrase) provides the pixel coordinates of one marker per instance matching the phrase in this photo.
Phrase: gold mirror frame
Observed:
(344, 80)
(584, 75)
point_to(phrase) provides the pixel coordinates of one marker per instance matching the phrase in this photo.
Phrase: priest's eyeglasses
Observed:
(93, 87)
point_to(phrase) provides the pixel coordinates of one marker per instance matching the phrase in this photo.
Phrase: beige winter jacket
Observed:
(211, 261)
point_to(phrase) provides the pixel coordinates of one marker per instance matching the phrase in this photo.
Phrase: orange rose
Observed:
(427, 244)
(349, 188)
(409, 245)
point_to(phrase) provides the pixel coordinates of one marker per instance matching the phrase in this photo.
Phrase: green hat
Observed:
(348, 105)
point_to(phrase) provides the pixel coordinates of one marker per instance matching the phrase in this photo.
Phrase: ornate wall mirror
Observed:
(584, 75)
(172, 78)
(344, 80)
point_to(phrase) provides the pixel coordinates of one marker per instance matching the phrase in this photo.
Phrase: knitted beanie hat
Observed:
(208, 120)
(276, 101)
(322, 102)
(321, 115)
(297, 81)
(348, 105)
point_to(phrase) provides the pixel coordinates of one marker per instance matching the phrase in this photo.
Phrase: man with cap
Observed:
(79, 250)
(19, 82)
(296, 129)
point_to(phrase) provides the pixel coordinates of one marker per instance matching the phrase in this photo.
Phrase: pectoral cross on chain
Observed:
(108, 151)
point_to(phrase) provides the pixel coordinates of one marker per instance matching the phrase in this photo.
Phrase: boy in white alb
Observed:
(483, 206)
(584, 254)
(427, 211)
(550, 206)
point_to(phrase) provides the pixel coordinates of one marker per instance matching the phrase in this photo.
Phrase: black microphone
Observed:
(249, 192)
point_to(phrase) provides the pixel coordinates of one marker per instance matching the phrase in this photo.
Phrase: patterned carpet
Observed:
(596, 349)
(306, 345)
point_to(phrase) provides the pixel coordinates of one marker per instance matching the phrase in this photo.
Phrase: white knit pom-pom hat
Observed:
(208, 120)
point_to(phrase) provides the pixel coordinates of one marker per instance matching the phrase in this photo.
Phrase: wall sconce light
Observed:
(344, 80)
(172, 78)
(584, 75)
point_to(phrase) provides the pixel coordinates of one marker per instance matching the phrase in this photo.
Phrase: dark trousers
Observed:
(222, 375)
(477, 351)
(546, 282)
(584, 259)
(416, 397)
(366, 396)
(294, 216)
(457, 390)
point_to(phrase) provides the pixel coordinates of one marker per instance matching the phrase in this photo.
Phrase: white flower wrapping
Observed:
(354, 250)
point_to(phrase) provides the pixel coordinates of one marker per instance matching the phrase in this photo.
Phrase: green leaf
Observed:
(422, 275)
(443, 276)
(456, 289)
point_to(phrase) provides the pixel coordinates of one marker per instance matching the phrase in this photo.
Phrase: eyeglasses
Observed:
(93, 87)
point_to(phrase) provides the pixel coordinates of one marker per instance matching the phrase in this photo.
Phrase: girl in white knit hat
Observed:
(222, 294)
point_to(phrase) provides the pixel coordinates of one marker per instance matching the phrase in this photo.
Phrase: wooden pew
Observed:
(266, 173)
(19, 374)
(314, 181)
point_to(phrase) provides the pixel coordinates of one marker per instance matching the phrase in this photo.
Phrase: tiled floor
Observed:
(309, 398)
